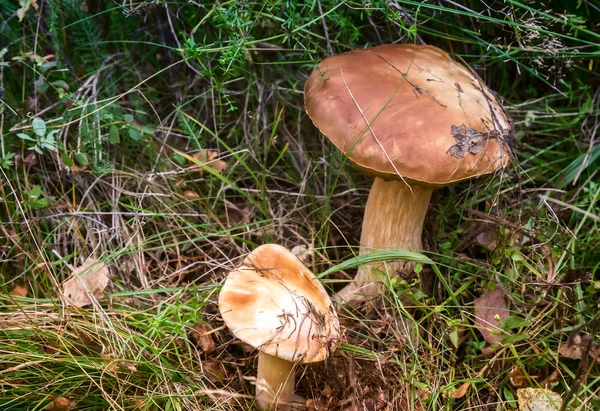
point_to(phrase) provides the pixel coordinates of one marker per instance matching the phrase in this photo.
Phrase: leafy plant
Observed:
(42, 138)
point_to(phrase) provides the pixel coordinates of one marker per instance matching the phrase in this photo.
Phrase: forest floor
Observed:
(164, 141)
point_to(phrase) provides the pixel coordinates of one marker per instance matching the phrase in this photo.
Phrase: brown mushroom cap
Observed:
(276, 304)
(410, 110)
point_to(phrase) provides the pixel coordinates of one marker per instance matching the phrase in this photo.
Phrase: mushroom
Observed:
(276, 304)
(414, 119)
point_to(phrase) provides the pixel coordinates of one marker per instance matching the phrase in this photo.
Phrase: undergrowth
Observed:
(111, 113)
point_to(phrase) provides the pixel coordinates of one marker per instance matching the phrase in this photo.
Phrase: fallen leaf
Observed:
(237, 215)
(490, 311)
(20, 291)
(538, 399)
(201, 335)
(460, 391)
(214, 370)
(516, 377)
(190, 195)
(577, 345)
(62, 404)
(549, 379)
(208, 158)
(302, 253)
(88, 280)
(488, 239)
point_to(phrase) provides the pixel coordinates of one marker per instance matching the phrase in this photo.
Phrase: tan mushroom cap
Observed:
(276, 304)
(399, 109)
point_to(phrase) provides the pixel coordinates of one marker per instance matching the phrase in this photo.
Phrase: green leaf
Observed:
(511, 322)
(51, 134)
(61, 84)
(134, 134)
(510, 339)
(418, 268)
(48, 65)
(113, 135)
(128, 118)
(25, 137)
(39, 126)
(35, 192)
(148, 130)
(510, 398)
(377, 257)
(179, 159)
(454, 337)
(81, 159)
(66, 159)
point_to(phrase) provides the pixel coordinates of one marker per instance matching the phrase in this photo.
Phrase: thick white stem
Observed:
(393, 219)
(274, 383)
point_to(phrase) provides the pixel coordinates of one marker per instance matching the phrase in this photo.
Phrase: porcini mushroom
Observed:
(415, 119)
(276, 304)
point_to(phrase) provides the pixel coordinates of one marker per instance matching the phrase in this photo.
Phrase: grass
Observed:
(129, 92)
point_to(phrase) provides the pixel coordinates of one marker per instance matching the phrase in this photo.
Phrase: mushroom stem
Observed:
(393, 219)
(274, 382)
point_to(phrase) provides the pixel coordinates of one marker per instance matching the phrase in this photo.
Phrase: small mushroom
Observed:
(276, 304)
(415, 120)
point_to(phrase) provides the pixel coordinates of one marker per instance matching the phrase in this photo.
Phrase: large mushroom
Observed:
(415, 119)
(276, 304)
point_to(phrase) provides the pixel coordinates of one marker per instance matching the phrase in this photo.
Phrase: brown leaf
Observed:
(208, 158)
(62, 404)
(88, 280)
(577, 345)
(190, 195)
(236, 215)
(488, 239)
(214, 370)
(201, 335)
(460, 391)
(20, 291)
(516, 377)
(490, 311)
